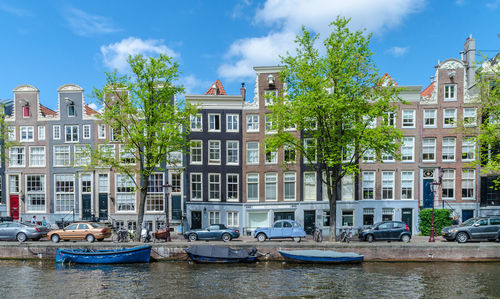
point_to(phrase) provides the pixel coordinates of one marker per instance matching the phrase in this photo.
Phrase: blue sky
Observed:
(51, 43)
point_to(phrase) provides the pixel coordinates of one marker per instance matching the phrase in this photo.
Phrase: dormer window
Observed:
(26, 110)
(71, 110)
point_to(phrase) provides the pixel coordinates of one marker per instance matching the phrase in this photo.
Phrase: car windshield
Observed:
(96, 225)
(469, 222)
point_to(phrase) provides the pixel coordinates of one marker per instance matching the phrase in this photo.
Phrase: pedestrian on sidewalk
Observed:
(455, 221)
(33, 220)
(44, 222)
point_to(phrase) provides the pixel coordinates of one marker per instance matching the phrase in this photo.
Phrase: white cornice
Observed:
(215, 101)
(69, 88)
(26, 88)
(267, 69)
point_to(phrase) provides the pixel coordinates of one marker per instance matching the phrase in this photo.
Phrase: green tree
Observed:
(145, 119)
(334, 99)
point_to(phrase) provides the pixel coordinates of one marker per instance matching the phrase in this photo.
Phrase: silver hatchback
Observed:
(22, 231)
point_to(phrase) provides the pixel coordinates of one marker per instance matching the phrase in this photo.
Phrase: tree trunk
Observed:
(140, 215)
(332, 197)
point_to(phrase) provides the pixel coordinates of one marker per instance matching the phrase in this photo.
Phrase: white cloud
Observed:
(493, 4)
(398, 51)
(93, 106)
(86, 24)
(115, 55)
(15, 10)
(194, 85)
(286, 17)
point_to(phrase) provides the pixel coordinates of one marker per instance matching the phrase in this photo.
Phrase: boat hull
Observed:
(314, 259)
(140, 254)
(217, 260)
(220, 254)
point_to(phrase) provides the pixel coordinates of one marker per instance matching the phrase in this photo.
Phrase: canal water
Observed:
(263, 280)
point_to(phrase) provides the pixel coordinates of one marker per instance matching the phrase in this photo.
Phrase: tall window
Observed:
(387, 184)
(214, 122)
(430, 118)
(214, 151)
(347, 189)
(429, 149)
(125, 193)
(289, 179)
(232, 121)
(35, 193)
(468, 180)
(155, 199)
(408, 118)
(407, 185)
(270, 126)
(196, 124)
(71, 133)
(467, 149)
(470, 117)
(56, 132)
(176, 181)
(368, 185)
(213, 217)
(252, 152)
(368, 216)
(27, 133)
(17, 156)
(12, 133)
(196, 152)
(232, 187)
(369, 156)
(450, 92)
(449, 149)
(214, 186)
(196, 186)
(232, 148)
(101, 131)
(86, 183)
(289, 154)
(252, 123)
(26, 111)
(449, 118)
(252, 187)
(407, 149)
(37, 156)
(271, 186)
(448, 184)
(126, 155)
(310, 150)
(71, 110)
(232, 219)
(268, 96)
(271, 156)
(82, 154)
(65, 193)
(390, 119)
(86, 131)
(310, 186)
(103, 183)
(61, 155)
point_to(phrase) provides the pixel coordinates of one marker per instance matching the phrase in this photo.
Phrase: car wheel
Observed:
(261, 237)
(462, 237)
(90, 238)
(192, 237)
(297, 239)
(226, 237)
(405, 238)
(21, 237)
(55, 238)
(369, 238)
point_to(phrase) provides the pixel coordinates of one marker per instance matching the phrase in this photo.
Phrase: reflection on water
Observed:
(180, 279)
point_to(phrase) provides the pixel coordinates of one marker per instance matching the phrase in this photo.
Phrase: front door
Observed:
(467, 214)
(86, 207)
(407, 217)
(428, 196)
(103, 205)
(195, 219)
(14, 207)
(309, 221)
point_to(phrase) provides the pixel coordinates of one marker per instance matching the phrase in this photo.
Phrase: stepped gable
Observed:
(216, 89)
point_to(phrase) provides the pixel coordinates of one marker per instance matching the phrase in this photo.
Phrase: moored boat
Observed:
(320, 256)
(139, 254)
(221, 254)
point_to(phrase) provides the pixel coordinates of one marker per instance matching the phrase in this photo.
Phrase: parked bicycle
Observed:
(120, 235)
(345, 235)
(317, 234)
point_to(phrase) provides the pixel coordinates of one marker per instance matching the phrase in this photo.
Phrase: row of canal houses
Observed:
(228, 176)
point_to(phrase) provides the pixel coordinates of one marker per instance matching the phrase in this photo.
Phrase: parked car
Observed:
(89, 231)
(483, 228)
(386, 230)
(22, 231)
(212, 232)
(281, 229)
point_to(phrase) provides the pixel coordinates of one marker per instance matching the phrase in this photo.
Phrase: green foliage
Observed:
(442, 218)
(334, 98)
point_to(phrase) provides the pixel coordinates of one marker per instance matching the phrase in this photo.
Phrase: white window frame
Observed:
(307, 142)
(214, 116)
(448, 179)
(272, 155)
(200, 148)
(214, 147)
(72, 133)
(470, 117)
(67, 195)
(272, 92)
(41, 132)
(368, 177)
(101, 131)
(290, 178)
(56, 132)
(26, 133)
(155, 200)
(79, 158)
(253, 150)
(196, 122)
(213, 217)
(252, 123)
(313, 188)
(271, 181)
(446, 116)
(405, 117)
(12, 133)
(200, 182)
(233, 219)
(21, 152)
(407, 182)
(387, 184)
(125, 197)
(252, 178)
(40, 192)
(231, 121)
(428, 146)
(428, 115)
(269, 125)
(237, 184)
(228, 149)
(407, 147)
(43, 160)
(447, 89)
(468, 177)
(215, 184)
(449, 149)
(468, 143)
(56, 159)
(86, 132)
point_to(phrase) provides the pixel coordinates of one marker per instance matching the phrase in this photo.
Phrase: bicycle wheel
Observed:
(115, 238)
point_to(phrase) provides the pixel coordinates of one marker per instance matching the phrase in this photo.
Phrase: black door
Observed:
(407, 217)
(195, 219)
(103, 205)
(309, 221)
(176, 207)
(86, 207)
(428, 196)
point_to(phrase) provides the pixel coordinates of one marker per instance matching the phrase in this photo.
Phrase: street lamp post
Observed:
(166, 189)
(435, 189)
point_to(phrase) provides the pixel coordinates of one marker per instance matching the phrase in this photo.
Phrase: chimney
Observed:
(470, 60)
(243, 91)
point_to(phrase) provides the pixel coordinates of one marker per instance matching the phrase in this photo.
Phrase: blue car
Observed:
(212, 232)
(280, 230)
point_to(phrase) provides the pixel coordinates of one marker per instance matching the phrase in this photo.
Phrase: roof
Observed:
(89, 110)
(46, 111)
(220, 89)
(386, 79)
(428, 90)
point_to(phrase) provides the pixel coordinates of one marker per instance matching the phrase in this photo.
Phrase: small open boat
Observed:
(221, 254)
(139, 254)
(320, 256)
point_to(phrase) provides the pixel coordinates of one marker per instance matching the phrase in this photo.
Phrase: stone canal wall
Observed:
(382, 251)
